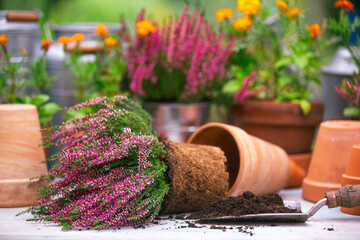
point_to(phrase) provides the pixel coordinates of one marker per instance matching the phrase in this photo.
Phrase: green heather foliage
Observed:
(110, 171)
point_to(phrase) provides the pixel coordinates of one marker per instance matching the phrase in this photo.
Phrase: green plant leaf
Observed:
(284, 80)
(231, 87)
(302, 61)
(282, 62)
(352, 112)
(40, 99)
(305, 106)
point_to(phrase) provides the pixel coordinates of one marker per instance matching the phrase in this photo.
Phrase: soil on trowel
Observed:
(247, 203)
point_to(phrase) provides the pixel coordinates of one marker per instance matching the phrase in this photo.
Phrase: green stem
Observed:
(12, 89)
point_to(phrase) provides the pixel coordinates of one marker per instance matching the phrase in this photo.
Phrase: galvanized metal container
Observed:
(23, 31)
(177, 121)
(341, 66)
(88, 29)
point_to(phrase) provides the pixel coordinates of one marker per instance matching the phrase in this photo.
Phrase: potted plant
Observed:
(349, 88)
(275, 63)
(177, 70)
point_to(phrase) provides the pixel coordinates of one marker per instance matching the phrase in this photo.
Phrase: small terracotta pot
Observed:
(253, 164)
(330, 157)
(281, 123)
(352, 176)
(21, 157)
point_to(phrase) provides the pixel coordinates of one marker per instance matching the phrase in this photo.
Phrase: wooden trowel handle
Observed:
(347, 196)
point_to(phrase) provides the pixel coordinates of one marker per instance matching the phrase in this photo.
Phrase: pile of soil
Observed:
(247, 203)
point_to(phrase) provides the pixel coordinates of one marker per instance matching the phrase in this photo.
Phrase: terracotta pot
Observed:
(330, 157)
(21, 156)
(253, 164)
(281, 123)
(352, 176)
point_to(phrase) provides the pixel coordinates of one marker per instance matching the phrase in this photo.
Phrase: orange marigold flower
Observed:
(3, 39)
(223, 13)
(344, 4)
(78, 37)
(64, 40)
(249, 7)
(110, 42)
(145, 27)
(242, 23)
(314, 30)
(45, 44)
(101, 29)
(283, 6)
(293, 13)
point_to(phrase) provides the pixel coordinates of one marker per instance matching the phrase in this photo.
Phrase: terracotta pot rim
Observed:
(273, 101)
(16, 106)
(341, 124)
(267, 112)
(350, 178)
(226, 128)
(241, 139)
(176, 104)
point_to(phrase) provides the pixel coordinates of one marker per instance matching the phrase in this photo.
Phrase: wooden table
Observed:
(325, 224)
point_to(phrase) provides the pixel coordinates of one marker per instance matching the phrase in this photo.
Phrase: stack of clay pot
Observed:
(330, 159)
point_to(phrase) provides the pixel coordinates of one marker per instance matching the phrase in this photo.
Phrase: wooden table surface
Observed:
(325, 224)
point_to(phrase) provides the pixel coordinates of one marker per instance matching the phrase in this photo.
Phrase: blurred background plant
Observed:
(287, 56)
(184, 60)
(11, 73)
(350, 87)
(101, 76)
(33, 91)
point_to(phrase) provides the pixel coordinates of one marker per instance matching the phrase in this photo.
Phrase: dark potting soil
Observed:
(247, 203)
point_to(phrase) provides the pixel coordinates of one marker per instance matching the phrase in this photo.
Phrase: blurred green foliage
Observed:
(64, 11)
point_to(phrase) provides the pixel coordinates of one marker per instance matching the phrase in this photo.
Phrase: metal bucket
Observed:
(177, 121)
(23, 31)
(88, 29)
(341, 66)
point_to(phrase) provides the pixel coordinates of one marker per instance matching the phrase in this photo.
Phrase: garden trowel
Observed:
(347, 196)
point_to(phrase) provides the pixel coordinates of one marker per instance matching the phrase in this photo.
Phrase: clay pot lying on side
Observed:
(253, 164)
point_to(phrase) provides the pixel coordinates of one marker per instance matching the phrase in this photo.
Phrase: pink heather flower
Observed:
(108, 163)
(185, 49)
(351, 91)
(244, 92)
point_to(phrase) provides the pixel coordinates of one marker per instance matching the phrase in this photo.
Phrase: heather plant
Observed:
(184, 60)
(350, 90)
(110, 171)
